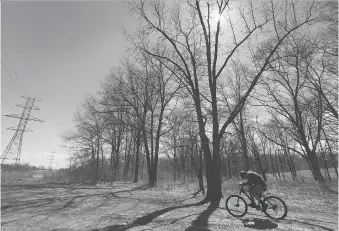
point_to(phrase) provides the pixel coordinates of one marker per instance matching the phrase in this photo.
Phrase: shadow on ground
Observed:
(263, 222)
(18, 186)
(146, 219)
(54, 202)
(308, 223)
(289, 221)
(257, 223)
(201, 222)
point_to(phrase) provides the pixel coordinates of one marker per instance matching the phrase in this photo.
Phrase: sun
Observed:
(218, 17)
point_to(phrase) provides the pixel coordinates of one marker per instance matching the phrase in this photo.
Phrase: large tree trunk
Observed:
(214, 193)
(200, 173)
(118, 139)
(229, 167)
(289, 164)
(334, 161)
(293, 168)
(102, 164)
(93, 163)
(137, 156)
(266, 163)
(142, 168)
(327, 173)
(111, 167)
(148, 159)
(243, 142)
(310, 166)
(127, 156)
(277, 166)
(292, 165)
(224, 165)
(272, 164)
(157, 146)
(315, 166)
(197, 167)
(174, 158)
(117, 165)
(98, 160)
(281, 160)
(208, 167)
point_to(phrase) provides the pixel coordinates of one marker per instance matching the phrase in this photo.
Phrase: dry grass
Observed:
(170, 206)
(32, 176)
(16, 176)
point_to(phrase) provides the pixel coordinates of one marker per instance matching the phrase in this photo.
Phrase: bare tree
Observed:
(256, 151)
(123, 93)
(196, 55)
(88, 136)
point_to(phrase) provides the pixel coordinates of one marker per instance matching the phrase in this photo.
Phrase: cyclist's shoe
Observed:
(253, 205)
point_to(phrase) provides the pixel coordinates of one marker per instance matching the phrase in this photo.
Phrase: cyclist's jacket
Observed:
(255, 179)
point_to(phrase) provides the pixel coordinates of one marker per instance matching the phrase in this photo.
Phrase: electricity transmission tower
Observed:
(12, 153)
(50, 164)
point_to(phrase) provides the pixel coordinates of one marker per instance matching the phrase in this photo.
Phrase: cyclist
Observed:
(255, 186)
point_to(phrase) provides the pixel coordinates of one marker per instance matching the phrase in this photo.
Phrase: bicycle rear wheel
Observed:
(236, 206)
(274, 207)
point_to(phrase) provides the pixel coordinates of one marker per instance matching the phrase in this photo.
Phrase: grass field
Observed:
(31, 176)
(170, 206)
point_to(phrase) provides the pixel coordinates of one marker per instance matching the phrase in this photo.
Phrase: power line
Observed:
(10, 76)
(15, 72)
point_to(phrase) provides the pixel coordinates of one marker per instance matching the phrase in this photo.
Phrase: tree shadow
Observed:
(257, 223)
(290, 221)
(146, 219)
(195, 194)
(51, 205)
(306, 223)
(201, 222)
(16, 206)
(35, 185)
(61, 185)
(314, 220)
(181, 218)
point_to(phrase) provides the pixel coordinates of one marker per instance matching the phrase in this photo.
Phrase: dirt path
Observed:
(127, 207)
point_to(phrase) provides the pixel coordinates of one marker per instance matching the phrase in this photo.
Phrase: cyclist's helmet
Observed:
(243, 174)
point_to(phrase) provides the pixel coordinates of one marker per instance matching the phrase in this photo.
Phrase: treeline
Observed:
(21, 167)
(252, 90)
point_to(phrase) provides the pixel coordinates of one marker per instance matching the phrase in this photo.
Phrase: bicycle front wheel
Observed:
(274, 207)
(236, 206)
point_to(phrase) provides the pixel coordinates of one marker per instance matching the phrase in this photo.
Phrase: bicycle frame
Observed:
(242, 191)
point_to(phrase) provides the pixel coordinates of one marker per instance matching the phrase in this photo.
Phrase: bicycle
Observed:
(267, 205)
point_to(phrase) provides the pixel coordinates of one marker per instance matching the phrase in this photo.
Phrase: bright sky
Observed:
(56, 52)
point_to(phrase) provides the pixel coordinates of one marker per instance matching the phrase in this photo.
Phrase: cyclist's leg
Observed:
(259, 192)
(256, 192)
(252, 196)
